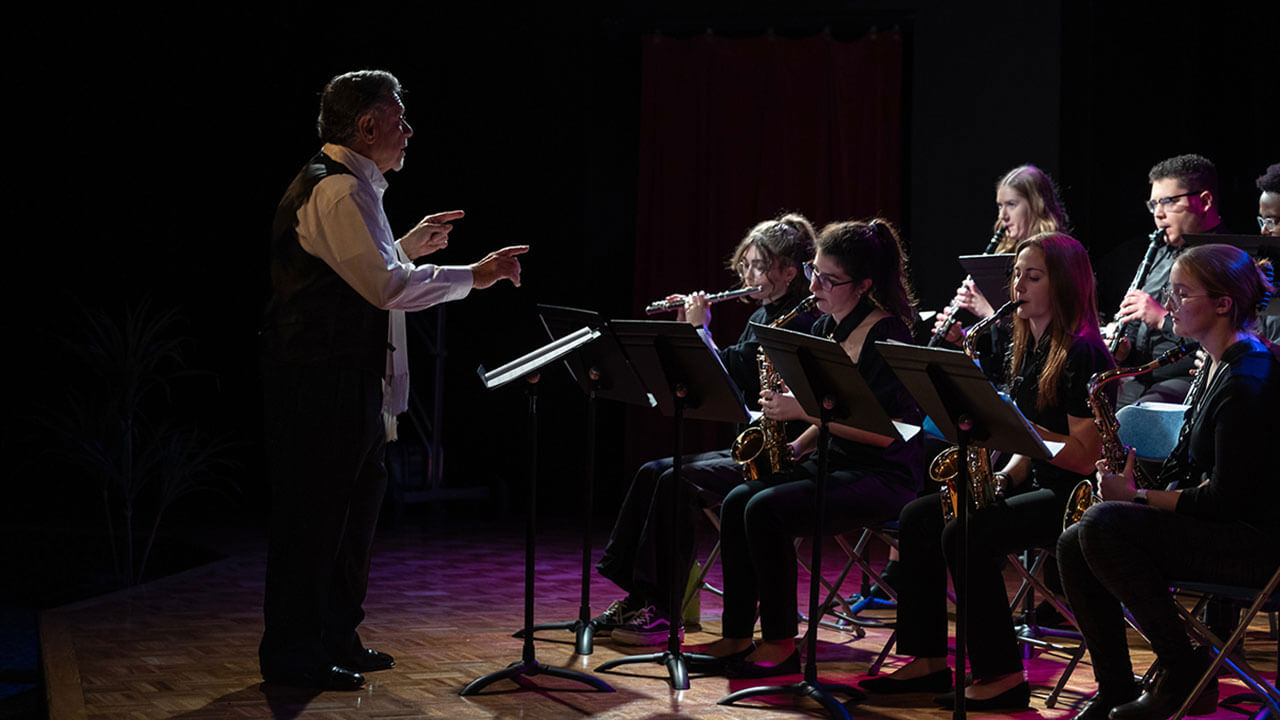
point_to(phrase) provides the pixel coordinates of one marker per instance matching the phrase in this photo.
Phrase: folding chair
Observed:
(1253, 600)
(1033, 581)
(858, 555)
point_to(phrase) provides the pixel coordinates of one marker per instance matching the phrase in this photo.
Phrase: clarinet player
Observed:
(1027, 204)
(1183, 201)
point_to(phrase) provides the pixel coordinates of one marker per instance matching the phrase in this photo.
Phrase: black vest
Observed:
(314, 317)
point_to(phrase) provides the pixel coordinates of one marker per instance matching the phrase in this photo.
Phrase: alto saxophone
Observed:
(1114, 452)
(946, 466)
(767, 437)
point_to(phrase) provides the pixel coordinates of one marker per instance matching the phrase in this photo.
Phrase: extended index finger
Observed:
(511, 250)
(444, 217)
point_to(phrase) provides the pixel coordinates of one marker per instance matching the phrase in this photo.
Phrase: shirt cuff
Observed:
(458, 278)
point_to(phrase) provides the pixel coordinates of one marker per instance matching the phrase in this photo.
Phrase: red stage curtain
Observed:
(734, 131)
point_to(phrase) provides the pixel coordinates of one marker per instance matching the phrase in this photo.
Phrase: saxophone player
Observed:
(859, 279)
(1056, 349)
(1223, 529)
(639, 550)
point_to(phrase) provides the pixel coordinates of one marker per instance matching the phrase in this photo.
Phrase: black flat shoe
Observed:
(1017, 697)
(1098, 706)
(934, 682)
(704, 664)
(367, 660)
(320, 678)
(751, 670)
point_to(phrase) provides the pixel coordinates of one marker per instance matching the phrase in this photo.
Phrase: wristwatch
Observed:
(1141, 497)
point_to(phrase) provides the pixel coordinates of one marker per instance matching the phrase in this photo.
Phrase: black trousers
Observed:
(758, 523)
(1133, 390)
(642, 548)
(927, 550)
(325, 443)
(1122, 553)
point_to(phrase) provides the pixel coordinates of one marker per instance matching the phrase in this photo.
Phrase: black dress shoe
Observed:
(1096, 709)
(319, 678)
(704, 664)
(368, 660)
(1167, 694)
(751, 670)
(1015, 698)
(934, 682)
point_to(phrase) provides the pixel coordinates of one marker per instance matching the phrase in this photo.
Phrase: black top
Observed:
(740, 358)
(1227, 439)
(1085, 357)
(901, 461)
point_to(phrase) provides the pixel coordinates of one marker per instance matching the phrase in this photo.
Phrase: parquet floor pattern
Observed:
(445, 603)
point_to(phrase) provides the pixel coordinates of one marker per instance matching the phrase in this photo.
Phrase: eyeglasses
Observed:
(1165, 202)
(1266, 223)
(824, 282)
(1177, 298)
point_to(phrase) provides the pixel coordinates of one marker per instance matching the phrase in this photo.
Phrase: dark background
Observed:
(148, 150)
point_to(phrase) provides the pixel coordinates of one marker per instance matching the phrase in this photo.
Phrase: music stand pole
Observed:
(584, 631)
(528, 664)
(964, 425)
(672, 658)
(951, 389)
(602, 371)
(685, 376)
(810, 686)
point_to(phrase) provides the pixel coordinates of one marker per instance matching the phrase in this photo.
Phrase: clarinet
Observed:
(1157, 241)
(949, 314)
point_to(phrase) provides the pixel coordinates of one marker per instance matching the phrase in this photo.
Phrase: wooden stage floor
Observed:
(445, 603)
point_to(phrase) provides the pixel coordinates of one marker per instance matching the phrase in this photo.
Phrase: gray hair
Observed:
(350, 96)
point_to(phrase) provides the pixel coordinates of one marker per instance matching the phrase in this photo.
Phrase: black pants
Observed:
(758, 523)
(927, 549)
(1134, 390)
(642, 548)
(1122, 553)
(324, 441)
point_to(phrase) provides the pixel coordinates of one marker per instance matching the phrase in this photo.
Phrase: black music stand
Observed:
(951, 389)
(602, 370)
(828, 386)
(990, 273)
(527, 367)
(687, 379)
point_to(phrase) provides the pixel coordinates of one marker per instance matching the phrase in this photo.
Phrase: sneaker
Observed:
(646, 627)
(617, 614)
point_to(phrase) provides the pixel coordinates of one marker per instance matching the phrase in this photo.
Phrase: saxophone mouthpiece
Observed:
(1008, 307)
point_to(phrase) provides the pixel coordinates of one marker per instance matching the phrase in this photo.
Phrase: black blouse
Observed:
(1085, 357)
(1229, 442)
(740, 358)
(902, 461)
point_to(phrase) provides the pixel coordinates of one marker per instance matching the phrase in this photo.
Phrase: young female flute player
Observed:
(1225, 529)
(1056, 349)
(858, 277)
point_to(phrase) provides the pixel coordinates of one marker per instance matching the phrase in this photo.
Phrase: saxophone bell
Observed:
(944, 469)
(1084, 495)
